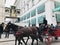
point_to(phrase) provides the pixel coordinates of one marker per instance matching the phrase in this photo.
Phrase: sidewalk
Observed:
(3, 39)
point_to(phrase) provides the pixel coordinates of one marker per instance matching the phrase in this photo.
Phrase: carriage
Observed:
(33, 33)
(49, 34)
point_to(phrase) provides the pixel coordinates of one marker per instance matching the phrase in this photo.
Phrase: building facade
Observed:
(33, 11)
(2, 10)
(10, 14)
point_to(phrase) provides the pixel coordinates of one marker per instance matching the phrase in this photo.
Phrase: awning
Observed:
(56, 9)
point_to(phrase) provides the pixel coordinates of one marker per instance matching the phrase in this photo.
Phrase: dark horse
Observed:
(21, 32)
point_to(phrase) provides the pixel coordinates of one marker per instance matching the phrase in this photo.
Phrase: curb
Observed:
(6, 41)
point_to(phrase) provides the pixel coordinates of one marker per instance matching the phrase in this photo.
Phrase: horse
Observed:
(29, 31)
(21, 32)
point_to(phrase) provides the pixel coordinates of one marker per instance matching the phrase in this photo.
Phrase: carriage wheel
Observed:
(48, 40)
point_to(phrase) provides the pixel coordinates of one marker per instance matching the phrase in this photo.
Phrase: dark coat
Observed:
(45, 22)
(7, 28)
(1, 29)
(40, 30)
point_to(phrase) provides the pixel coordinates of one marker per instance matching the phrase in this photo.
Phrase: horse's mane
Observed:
(17, 26)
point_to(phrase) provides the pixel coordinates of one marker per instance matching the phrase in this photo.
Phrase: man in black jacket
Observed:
(40, 32)
(7, 30)
(1, 29)
(45, 21)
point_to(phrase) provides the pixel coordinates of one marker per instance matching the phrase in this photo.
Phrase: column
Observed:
(49, 5)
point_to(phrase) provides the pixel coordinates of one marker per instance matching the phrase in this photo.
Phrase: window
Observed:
(32, 2)
(41, 9)
(24, 9)
(18, 11)
(28, 15)
(40, 19)
(28, 22)
(27, 6)
(57, 4)
(33, 13)
(58, 17)
(24, 17)
(33, 21)
(6, 10)
(21, 18)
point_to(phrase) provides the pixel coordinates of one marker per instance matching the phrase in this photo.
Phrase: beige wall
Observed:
(2, 10)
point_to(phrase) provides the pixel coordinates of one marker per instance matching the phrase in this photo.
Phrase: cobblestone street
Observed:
(10, 41)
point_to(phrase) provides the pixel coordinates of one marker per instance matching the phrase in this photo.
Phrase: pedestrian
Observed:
(40, 32)
(40, 29)
(45, 21)
(1, 29)
(7, 30)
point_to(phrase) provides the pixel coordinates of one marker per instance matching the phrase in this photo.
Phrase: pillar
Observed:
(50, 16)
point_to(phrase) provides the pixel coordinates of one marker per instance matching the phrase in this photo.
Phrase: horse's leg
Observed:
(24, 41)
(37, 41)
(27, 40)
(32, 41)
(15, 41)
(40, 38)
(19, 42)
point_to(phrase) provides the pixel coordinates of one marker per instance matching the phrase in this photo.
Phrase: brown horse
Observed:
(26, 32)
(21, 32)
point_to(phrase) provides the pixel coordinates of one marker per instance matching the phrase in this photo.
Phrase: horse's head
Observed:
(11, 26)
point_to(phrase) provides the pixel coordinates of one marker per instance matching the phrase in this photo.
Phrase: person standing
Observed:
(44, 24)
(1, 29)
(40, 33)
(7, 30)
(45, 21)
